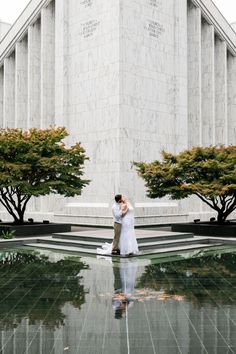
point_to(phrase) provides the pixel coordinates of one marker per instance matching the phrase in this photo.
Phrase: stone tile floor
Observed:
(52, 303)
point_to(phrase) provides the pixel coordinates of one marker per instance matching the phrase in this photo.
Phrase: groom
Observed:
(117, 215)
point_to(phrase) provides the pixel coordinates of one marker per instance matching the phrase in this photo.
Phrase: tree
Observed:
(207, 172)
(36, 163)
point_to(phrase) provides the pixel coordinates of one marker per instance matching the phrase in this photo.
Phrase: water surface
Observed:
(60, 303)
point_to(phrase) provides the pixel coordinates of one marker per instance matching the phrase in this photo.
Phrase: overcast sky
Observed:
(11, 9)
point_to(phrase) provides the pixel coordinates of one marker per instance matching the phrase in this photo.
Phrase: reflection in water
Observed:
(125, 294)
(52, 303)
(124, 280)
(32, 287)
(203, 280)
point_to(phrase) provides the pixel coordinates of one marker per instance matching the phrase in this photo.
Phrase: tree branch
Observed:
(5, 203)
(206, 201)
(232, 199)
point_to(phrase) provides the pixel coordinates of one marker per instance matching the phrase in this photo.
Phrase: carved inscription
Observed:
(154, 3)
(86, 3)
(155, 29)
(89, 28)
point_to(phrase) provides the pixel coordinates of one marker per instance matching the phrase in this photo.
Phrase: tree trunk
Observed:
(20, 219)
(20, 211)
(221, 217)
(15, 204)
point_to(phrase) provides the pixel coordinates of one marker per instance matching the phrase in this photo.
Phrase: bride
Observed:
(128, 244)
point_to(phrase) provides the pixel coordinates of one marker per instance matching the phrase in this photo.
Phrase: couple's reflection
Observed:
(125, 275)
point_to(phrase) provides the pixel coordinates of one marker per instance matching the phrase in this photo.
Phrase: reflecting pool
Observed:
(60, 303)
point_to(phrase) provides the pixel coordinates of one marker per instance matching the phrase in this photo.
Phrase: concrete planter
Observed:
(207, 229)
(32, 229)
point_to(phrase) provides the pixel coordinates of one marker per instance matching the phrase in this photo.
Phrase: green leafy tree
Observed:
(207, 172)
(36, 163)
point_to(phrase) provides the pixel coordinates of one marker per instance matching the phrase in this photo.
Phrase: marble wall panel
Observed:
(61, 51)
(9, 92)
(48, 65)
(34, 91)
(1, 96)
(153, 57)
(208, 84)
(220, 92)
(34, 75)
(194, 75)
(231, 126)
(21, 101)
(91, 81)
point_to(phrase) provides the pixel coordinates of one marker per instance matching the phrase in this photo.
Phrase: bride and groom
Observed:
(124, 241)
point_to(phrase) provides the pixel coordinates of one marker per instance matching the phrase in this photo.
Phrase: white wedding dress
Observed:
(128, 243)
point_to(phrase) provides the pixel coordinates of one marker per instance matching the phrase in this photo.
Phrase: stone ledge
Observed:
(34, 229)
(206, 229)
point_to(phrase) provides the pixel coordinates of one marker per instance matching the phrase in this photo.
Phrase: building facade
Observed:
(127, 78)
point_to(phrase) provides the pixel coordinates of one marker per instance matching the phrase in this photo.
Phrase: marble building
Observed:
(128, 78)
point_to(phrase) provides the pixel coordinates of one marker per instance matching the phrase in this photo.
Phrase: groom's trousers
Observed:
(116, 239)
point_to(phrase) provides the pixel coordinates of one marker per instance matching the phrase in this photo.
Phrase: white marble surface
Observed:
(9, 92)
(221, 124)
(127, 78)
(231, 126)
(21, 84)
(194, 76)
(1, 96)
(34, 75)
(208, 84)
(48, 65)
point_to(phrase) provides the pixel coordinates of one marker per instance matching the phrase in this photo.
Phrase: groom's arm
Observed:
(124, 209)
(117, 213)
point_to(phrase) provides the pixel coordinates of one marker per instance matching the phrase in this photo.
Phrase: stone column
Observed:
(194, 75)
(180, 80)
(34, 75)
(1, 97)
(208, 84)
(61, 47)
(48, 65)
(231, 126)
(34, 87)
(21, 104)
(220, 91)
(9, 92)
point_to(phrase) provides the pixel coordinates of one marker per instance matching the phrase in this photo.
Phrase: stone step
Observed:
(61, 248)
(143, 237)
(71, 242)
(172, 243)
(142, 246)
(141, 253)
(179, 249)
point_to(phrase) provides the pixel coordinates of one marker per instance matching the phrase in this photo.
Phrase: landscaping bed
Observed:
(32, 229)
(207, 228)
